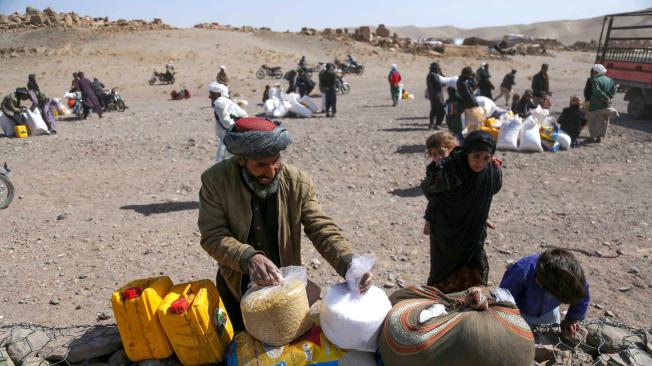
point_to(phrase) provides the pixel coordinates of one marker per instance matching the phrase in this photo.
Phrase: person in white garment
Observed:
(226, 113)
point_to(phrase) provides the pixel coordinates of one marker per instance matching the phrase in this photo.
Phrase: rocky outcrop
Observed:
(34, 19)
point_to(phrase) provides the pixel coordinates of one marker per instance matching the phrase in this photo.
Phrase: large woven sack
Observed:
(35, 123)
(465, 334)
(530, 139)
(508, 136)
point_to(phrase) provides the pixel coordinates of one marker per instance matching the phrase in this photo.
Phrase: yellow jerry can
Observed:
(196, 323)
(135, 308)
(21, 131)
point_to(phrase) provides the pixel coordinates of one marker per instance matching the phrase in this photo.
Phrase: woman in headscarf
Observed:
(459, 199)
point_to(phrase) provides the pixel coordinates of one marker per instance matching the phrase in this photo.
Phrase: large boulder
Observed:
(381, 31)
(4, 19)
(5, 360)
(364, 34)
(49, 12)
(609, 339)
(36, 19)
(30, 10)
(68, 21)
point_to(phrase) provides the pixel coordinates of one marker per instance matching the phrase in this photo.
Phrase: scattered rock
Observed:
(315, 263)
(388, 285)
(634, 270)
(610, 314)
(5, 360)
(624, 289)
(95, 343)
(105, 315)
(55, 302)
(62, 216)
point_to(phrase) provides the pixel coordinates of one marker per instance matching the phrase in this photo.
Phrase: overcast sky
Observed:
(282, 15)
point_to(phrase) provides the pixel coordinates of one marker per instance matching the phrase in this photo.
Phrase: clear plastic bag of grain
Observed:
(277, 315)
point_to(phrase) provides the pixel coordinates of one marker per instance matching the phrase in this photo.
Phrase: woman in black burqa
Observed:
(459, 194)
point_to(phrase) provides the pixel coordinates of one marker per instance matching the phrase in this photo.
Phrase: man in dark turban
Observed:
(251, 209)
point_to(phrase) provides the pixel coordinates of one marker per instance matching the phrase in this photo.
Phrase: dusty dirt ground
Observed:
(127, 184)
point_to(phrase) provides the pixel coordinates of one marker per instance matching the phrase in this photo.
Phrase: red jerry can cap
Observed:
(131, 293)
(180, 306)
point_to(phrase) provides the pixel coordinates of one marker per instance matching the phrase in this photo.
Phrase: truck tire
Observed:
(636, 107)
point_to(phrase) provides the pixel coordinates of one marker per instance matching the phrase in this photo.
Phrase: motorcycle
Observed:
(352, 69)
(114, 102)
(274, 72)
(164, 77)
(7, 190)
(342, 86)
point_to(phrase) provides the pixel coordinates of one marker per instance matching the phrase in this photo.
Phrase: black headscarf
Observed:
(461, 207)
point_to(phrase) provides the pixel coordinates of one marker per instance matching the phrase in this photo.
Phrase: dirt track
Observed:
(127, 184)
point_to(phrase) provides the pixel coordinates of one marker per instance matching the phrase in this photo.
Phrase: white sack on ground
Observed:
(487, 104)
(530, 137)
(35, 123)
(7, 125)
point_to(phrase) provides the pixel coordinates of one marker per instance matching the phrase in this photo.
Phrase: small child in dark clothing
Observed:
(438, 147)
(515, 99)
(454, 114)
(571, 120)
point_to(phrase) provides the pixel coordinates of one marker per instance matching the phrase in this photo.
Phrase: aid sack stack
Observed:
(352, 320)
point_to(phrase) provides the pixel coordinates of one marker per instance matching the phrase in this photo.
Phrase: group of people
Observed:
(92, 93)
(598, 94)
(460, 183)
(12, 104)
(253, 207)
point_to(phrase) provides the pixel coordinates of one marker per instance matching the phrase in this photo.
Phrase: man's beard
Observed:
(261, 190)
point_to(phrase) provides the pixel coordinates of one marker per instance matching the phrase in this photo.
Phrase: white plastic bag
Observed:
(35, 123)
(564, 140)
(349, 319)
(487, 104)
(308, 102)
(540, 115)
(530, 137)
(270, 106)
(508, 135)
(7, 125)
(448, 81)
(279, 314)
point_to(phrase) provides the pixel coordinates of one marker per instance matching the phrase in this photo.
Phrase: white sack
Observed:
(564, 140)
(351, 320)
(7, 125)
(270, 106)
(530, 137)
(487, 104)
(448, 81)
(308, 102)
(508, 135)
(300, 110)
(35, 123)
(539, 114)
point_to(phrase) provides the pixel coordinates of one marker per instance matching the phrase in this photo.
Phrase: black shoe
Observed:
(53, 132)
(598, 140)
(328, 114)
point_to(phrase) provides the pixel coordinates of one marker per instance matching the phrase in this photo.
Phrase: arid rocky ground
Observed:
(125, 186)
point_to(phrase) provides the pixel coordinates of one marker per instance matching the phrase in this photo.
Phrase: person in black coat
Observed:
(540, 85)
(465, 87)
(304, 84)
(484, 81)
(571, 120)
(435, 94)
(32, 84)
(525, 104)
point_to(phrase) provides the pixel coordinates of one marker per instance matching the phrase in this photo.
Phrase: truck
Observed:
(625, 49)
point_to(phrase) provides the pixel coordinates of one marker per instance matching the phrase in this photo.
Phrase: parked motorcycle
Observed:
(352, 69)
(114, 102)
(7, 190)
(271, 71)
(164, 77)
(342, 86)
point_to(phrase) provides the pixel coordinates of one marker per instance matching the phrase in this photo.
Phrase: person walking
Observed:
(506, 87)
(435, 94)
(541, 86)
(226, 112)
(603, 90)
(32, 84)
(484, 81)
(395, 80)
(327, 80)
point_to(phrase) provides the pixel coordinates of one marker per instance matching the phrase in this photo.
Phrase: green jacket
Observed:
(603, 90)
(10, 105)
(225, 218)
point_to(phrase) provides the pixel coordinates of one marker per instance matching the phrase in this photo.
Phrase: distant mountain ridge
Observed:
(566, 31)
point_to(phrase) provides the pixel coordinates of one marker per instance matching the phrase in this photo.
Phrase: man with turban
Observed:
(251, 209)
(603, 90)
(226, 113)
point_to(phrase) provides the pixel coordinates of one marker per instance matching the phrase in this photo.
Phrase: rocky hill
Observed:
(34, 18)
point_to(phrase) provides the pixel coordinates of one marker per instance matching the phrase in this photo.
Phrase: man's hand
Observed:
(491, 225)
(365, 282)
(570, 328)
(263, 272)
(426, 228)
